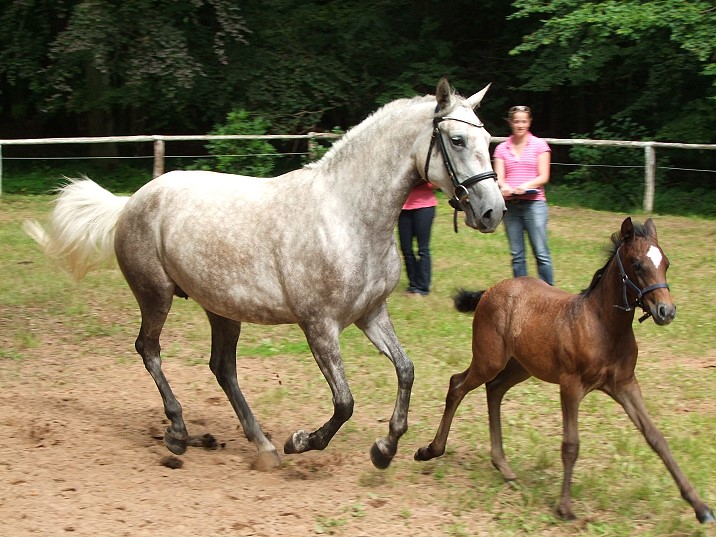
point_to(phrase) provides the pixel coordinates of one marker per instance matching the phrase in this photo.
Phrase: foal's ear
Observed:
(443, 94)
(475, 100)
(627, 231)
(650, 228)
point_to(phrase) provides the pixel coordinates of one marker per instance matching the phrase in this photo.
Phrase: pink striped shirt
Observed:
(522, 169)
(421, 196)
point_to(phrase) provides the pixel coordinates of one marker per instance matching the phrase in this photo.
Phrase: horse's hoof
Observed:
(296, 443)
(565, 514)
(266, 461)
(707, 517)
(378, 455)
(423, 454)
(174, 444)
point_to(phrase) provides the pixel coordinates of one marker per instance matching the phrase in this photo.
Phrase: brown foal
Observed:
(523, 327)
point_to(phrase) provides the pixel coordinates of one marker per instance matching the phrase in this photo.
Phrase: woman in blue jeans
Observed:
(416, 222)
(522, 165)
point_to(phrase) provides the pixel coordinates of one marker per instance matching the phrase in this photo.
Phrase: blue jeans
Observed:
(529, 216)
(416, 223)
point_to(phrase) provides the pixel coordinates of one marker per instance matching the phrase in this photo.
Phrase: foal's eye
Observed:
(638, 267)
(458, 141)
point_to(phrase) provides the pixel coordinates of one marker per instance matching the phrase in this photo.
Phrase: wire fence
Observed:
(312, 141)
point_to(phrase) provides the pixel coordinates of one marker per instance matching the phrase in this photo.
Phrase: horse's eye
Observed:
(458, 141)
(637, 266)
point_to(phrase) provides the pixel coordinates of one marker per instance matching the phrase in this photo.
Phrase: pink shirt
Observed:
(421, 196)
(522, 169)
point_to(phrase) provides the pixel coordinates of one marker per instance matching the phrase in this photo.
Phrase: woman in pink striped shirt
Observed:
(522, 165)
(415, 224)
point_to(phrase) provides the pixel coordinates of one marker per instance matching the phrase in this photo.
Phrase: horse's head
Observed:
(464, 145)
(643, 267)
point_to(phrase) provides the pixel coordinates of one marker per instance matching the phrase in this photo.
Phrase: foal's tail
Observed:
(80, 232)
(466, 301)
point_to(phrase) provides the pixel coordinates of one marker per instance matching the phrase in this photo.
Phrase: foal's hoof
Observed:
(175, 444)
(707, 517)
(423, 454)
(266, 461)
(380, 454)
(565, 513)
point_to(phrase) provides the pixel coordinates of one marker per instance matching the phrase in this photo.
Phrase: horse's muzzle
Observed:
(663, 313)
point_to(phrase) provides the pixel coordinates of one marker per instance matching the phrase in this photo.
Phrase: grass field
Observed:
(620, 486)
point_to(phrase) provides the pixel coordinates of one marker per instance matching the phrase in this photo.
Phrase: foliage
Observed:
(608, 49)
(607, 175)
(134, 60)
(252, 157)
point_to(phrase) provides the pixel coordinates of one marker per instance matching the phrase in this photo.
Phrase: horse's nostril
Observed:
(666, 312)
(487, 215)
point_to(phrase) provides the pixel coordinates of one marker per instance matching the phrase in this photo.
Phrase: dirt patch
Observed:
(83, 455)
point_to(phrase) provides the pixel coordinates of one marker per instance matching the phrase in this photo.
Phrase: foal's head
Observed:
(643, 265)
(636, 256)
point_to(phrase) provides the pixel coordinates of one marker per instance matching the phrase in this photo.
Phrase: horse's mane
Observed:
(612, 247)
(389, 113)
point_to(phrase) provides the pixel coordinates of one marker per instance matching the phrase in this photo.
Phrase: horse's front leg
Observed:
(378, 327)
(322, 338)
(629, 396)
(571, 395)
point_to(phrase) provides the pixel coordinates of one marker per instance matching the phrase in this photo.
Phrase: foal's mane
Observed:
(615, 242)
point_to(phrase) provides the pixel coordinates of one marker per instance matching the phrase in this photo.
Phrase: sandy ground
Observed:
(82, 454)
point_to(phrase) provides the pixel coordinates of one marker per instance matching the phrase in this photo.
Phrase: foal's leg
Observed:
(378, 327)
(460, 385)
(629, 396)
(571, 394)
(513, 374)
(322, 337)
(224, 337)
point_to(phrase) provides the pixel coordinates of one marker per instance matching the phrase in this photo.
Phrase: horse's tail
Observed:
(80, 232)
(466, 301)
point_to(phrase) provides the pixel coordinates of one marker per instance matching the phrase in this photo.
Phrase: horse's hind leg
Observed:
(496, 389)
(379, 329)
(629, 396)
(322, 338)
(224, 337)
(154, 306)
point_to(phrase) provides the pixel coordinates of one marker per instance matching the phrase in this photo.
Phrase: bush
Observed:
(256, 158)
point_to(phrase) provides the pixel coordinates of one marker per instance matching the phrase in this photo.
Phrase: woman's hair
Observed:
(519, 108)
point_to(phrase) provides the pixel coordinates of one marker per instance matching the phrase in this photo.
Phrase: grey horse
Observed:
(314, 247)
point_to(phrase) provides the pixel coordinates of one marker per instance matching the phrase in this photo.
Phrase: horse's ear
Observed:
(627, 229)
(443, 94)
(650, 228)
(476, 99)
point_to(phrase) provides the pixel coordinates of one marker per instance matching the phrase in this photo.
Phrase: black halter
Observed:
(626, 282)
(461, 195)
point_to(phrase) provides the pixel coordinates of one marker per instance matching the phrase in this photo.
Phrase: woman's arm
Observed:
(499, 166)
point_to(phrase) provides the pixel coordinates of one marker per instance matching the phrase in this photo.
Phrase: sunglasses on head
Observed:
(520, 108)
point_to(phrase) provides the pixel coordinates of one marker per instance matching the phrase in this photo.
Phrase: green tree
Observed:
(121, 66)
(256, 158)
(652, 62)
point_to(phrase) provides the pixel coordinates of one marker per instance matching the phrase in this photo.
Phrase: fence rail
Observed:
(160, 140)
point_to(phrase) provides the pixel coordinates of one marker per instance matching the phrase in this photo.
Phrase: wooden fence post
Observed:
(158, 158)
(650, 177)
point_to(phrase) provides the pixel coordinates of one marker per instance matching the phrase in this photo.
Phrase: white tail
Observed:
(80, 232)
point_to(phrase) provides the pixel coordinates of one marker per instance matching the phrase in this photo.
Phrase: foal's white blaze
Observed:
(655, 255)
